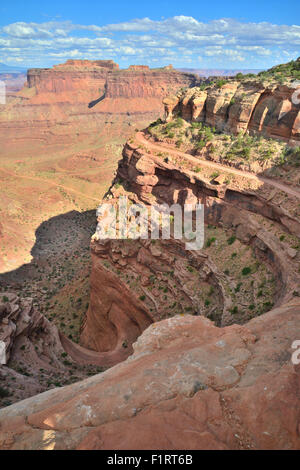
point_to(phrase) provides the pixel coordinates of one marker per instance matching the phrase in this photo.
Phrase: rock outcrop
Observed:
(188, 385)
(20, 323)
(138, 82)
(28, 338)
(128, 282)
(32, 352)
(241, 107)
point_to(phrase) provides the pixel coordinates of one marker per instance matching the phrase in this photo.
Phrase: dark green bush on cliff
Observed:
(289, 70)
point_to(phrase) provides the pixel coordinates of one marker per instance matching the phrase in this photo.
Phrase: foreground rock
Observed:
(188, 385)
(32, 357)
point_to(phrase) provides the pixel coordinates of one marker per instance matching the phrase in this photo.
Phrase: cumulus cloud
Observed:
(222, 42)
(35, 30)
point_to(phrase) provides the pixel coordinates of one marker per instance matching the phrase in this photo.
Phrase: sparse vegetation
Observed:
(246, 271)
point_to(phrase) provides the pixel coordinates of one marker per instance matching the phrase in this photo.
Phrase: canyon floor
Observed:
(39, 182)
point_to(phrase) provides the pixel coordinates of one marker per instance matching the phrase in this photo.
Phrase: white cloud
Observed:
(219, 51)
(128, 50)
(259, 50)
(181, 39)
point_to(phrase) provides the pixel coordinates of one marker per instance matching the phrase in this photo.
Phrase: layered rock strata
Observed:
(241, 107)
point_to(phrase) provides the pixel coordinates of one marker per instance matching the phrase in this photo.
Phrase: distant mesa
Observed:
(139, 67)
(93, 81)
(107, 64)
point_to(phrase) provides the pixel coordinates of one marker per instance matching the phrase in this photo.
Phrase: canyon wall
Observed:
(138, 268)
(78, 96)
(105, 77)
(102, 79)
(140, 83)
(247, 106)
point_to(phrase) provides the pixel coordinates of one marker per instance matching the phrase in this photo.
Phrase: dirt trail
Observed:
(140, 137)
(85, 356)
(51, 183)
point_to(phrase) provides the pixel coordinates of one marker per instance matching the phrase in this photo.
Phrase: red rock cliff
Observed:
(104, 77)
(239, 107)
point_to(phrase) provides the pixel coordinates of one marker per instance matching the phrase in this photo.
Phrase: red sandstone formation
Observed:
(140, 82)
(239, 107)
(150, 178)
(224, 381)
(76, 99)
(104, 78)
(188, 385)
(27, 337)
(83, 76)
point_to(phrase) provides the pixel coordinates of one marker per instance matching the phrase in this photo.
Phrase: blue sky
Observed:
(194, 34)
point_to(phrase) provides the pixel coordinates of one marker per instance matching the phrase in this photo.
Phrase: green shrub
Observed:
(231, 240)
(220, 83)
(246, 271)
(238, 287)
(4, 393)
(210, 241)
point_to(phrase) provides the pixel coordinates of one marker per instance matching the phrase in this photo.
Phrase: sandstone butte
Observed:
(75, 100)
(184, 380)
(79, 82)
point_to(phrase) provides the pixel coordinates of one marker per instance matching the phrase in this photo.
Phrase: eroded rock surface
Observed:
(137, 282)
(188, 385)
(32, 356)
(239, 107)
